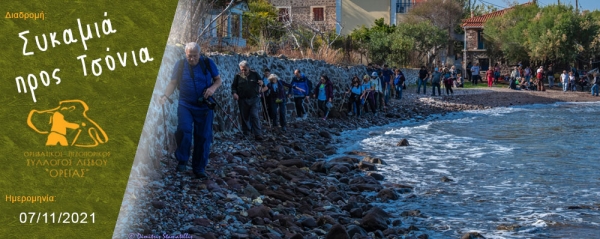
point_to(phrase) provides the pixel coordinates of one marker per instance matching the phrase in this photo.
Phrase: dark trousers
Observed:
(322, 105)
(435, 85)
(249, 111)
(265, 107)
(475, 79)
(354, 104)
(370, 100)
(399, 91)
(300, 111)
(448, 88)
(277, 113)
(196, 123)
(377, 100)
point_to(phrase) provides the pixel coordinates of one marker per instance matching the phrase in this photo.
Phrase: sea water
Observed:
(527, 167)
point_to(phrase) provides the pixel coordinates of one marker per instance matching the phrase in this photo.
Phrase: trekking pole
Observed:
(265, 109)
(228, 116)
(343, 99)
(166, 146)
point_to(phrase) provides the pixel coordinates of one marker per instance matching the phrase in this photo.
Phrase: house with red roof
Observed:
(474, 47)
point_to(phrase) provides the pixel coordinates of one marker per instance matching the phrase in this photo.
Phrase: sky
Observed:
(583, 4)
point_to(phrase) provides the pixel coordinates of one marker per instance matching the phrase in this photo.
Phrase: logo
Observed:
(64, 125)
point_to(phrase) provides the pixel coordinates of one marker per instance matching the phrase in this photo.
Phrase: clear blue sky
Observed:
(583, 4)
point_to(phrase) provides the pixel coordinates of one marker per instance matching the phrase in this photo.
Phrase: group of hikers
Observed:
(372, 93)
(525, 78)
(197, 78)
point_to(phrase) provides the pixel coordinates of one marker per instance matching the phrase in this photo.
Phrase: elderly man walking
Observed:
(246, 88)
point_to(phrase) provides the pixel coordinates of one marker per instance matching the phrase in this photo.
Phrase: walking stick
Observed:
(166, 144)
(343, 99)
(265, 109)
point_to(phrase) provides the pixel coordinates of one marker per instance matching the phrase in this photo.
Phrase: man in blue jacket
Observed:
(301, 91)
(197, 78)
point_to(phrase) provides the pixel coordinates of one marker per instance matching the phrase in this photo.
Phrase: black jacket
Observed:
(246, 88)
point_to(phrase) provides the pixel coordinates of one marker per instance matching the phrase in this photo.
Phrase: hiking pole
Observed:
(265, 110)
(343, 99)
(164, 110)
(228, 116)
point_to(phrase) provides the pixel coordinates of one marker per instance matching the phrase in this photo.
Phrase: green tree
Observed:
(261, 23)
(379, 46)
(508, 32)
(445, 14)
(426, 37)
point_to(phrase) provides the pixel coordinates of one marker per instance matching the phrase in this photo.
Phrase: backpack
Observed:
(204, 67)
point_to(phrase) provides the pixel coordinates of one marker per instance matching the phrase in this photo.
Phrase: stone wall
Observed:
(471, 39)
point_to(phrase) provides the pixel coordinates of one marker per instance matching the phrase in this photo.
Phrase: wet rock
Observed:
(376, 176)
(325, 134)
(258, 221)
(355, 230)
(292, 162)
(348, 160)
(209, 235)
(373, 160)
(423, 236)
(297, 236)
(375, 219)
(326, 219)
(159, 204)
(309, 222)
(403, 142)
(318, 167)
(366, 166)
(359, 153)
(472, 235)
(203, 222)
(246, 154)
(411, 213)
(251, 192)
(334, 196)
(508, 227)
(279, 195)
(300, 147)
(356, 212)
(337, 232)
(241, 170)
(366, 187)
(259, 211)
(234, 184)
(446, 179)
(339, 168)
(387, 194)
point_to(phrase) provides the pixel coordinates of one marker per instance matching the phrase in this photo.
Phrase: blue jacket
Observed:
(302, 83)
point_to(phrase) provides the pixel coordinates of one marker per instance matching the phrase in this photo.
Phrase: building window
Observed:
(402, 6)
(318, 14)
(284, 14)
(480, 43)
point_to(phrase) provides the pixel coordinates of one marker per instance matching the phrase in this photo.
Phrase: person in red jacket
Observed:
(490, 77)
(324, 94)
(539, 77)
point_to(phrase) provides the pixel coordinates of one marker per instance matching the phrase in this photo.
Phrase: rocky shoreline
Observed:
(284, 188)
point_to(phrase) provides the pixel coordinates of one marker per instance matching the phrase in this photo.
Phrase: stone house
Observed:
(474, 47)
(343, 15)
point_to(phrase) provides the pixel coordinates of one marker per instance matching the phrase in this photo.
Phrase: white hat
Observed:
(374, 74)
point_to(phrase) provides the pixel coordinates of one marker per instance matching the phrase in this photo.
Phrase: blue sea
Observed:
(530, 167)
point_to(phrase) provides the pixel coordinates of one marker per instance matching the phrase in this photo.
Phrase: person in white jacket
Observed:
(564, 79)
